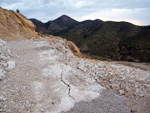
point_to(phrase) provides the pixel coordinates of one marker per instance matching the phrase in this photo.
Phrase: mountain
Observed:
(104, 40)
(54, 27)
(65, 21)
(15, 26)
(112, 40)
(39, 25)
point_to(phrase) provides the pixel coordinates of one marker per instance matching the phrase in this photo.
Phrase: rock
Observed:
(11, 65)
(3, 57)
(121, 92)
(2, 98)
(81, 65)
(2, 76)
(141, 95)
(5, 60)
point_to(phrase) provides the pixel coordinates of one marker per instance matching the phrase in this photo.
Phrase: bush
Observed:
(17, 10)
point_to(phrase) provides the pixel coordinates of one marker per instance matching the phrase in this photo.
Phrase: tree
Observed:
(17, 10)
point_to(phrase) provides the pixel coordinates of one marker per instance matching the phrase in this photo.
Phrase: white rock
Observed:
(11, 65)
(121, 92)
(81, 65)
(2, 98)
(3, 57)
(100, 64)
(2, 76)
(4, 64)
(2, 42)
(141, 95)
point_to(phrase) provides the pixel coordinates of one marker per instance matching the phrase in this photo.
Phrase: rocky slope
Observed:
(6, 62)
(112, 40)
(15, 26)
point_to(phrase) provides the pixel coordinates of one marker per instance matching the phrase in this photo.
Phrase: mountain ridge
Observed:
(62, 23)
(111, 40)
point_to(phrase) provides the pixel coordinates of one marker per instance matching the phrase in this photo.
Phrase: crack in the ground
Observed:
(68, 86)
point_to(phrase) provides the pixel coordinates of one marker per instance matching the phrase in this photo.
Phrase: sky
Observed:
(133, 11)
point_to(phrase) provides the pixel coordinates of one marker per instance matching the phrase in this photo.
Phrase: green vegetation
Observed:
(17, 10)
(112, 40)
(102, 40)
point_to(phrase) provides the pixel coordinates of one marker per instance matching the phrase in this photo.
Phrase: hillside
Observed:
(112, 40)
(54, 27)
(109, 40)
(15, 26)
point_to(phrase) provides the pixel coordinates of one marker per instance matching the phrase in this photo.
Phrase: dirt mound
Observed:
(74, 49)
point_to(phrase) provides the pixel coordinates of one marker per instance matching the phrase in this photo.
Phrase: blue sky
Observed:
(134, 11)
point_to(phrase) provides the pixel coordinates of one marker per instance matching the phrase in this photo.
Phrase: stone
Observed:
(5, 60)
(2, 98)
(121, 92)
(11, 65)
(141, 95)
(2, 76)
(81, 65)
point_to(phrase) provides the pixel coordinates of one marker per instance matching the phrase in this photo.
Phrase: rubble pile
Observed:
(6, 62)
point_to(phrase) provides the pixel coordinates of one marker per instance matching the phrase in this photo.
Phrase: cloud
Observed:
(125, 10)
(135, 16)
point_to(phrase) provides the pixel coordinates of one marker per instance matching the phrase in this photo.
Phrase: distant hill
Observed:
(109, 40)
(54, 27)
(39, 26)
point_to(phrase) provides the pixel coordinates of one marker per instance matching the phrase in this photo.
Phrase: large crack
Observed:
(68, 85)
